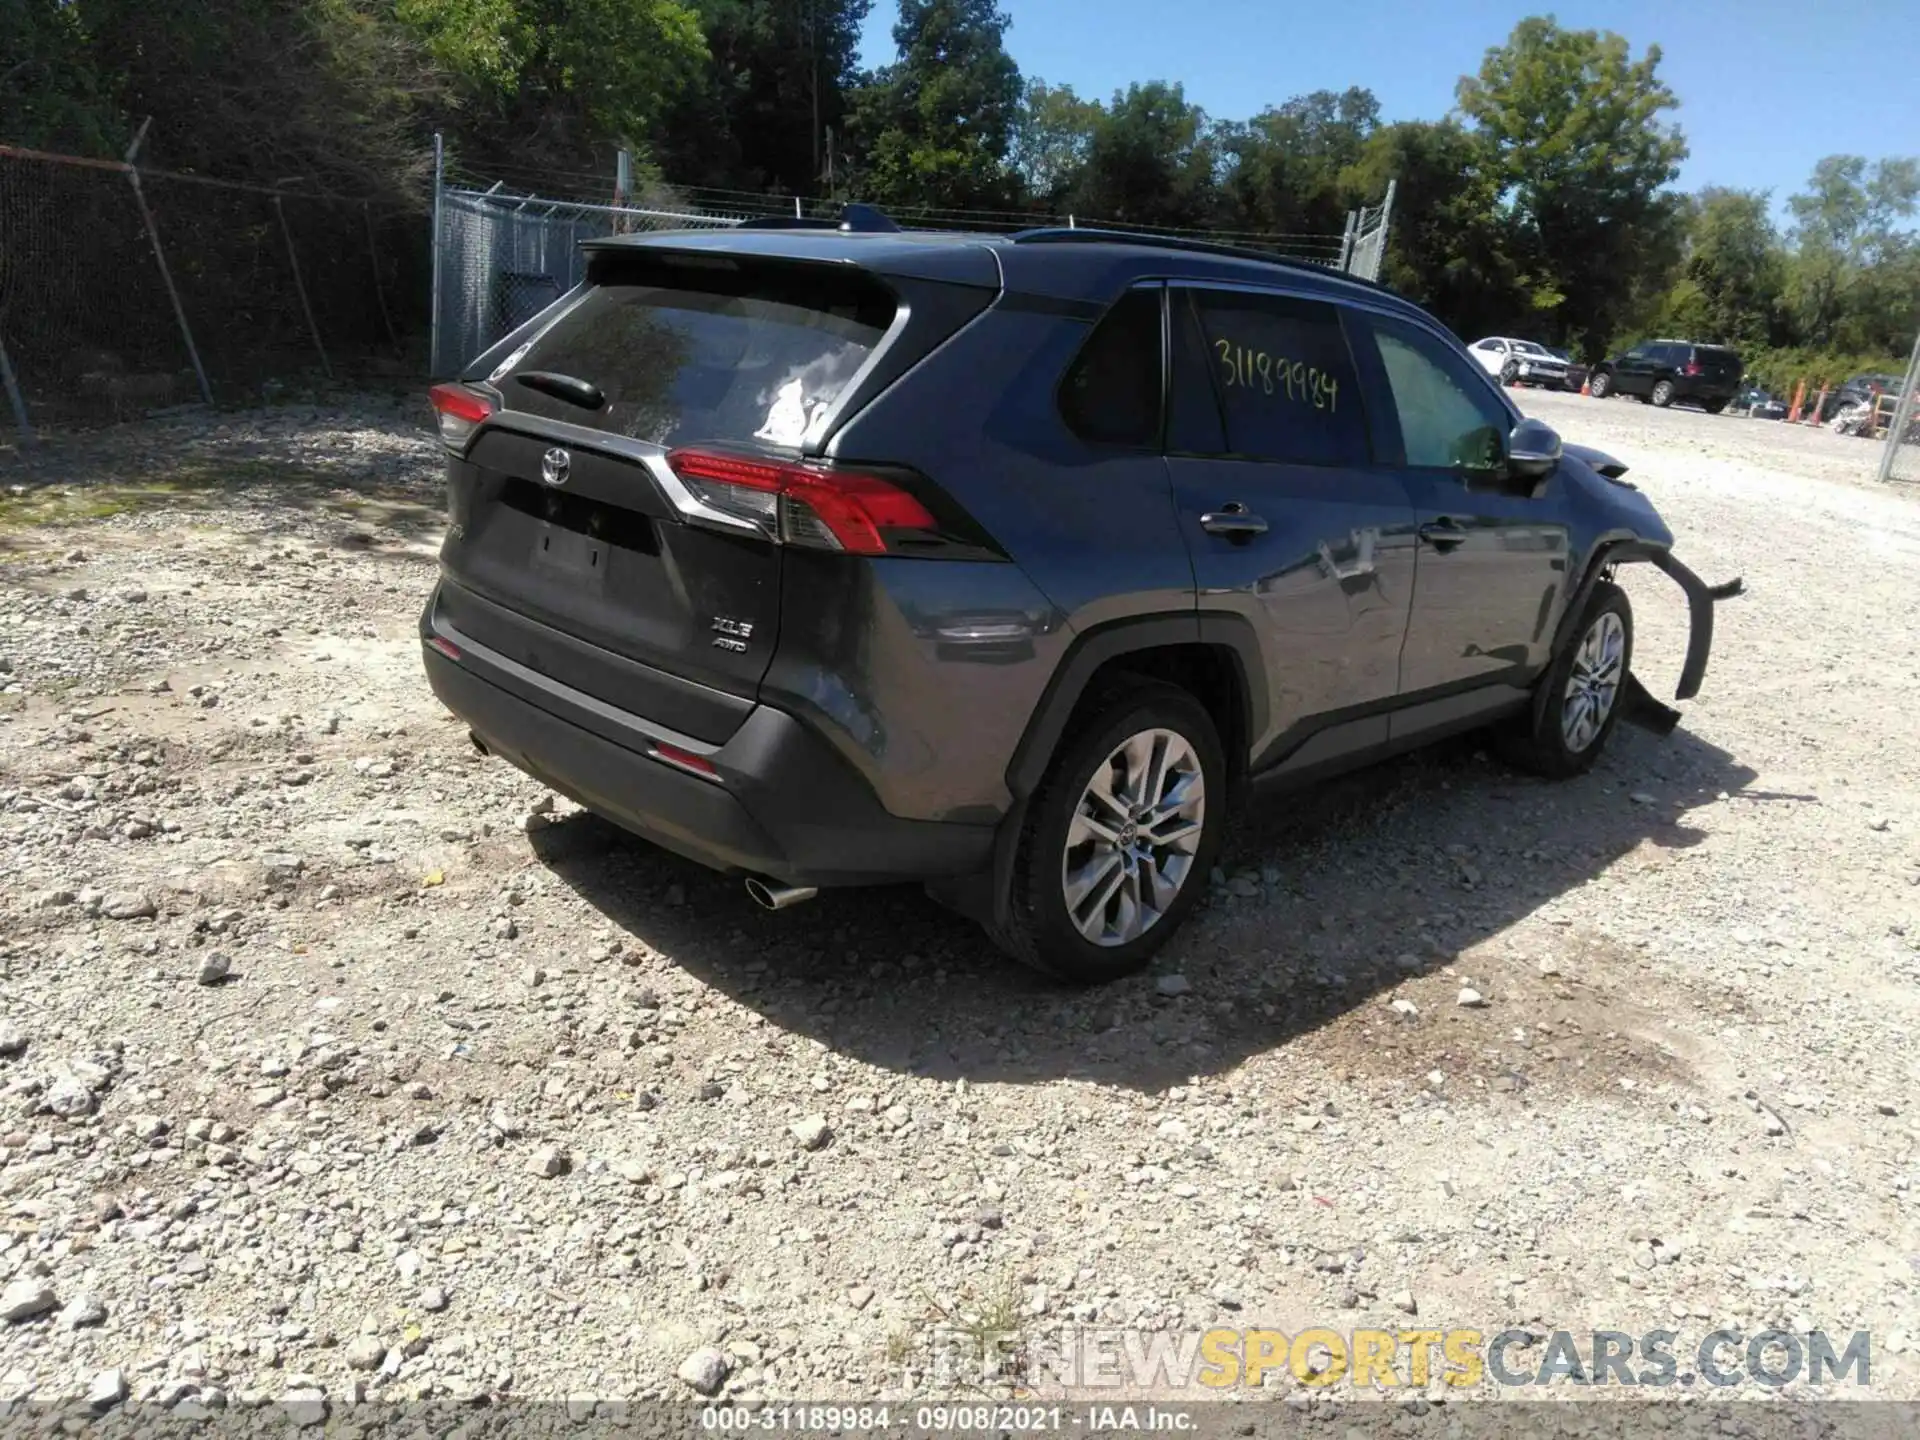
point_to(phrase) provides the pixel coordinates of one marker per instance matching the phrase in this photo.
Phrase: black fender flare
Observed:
(1101, 646)
(1064, 691)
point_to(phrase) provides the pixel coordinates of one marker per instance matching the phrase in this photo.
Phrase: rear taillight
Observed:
(1692, 368)
(459, 411)
(820, 506)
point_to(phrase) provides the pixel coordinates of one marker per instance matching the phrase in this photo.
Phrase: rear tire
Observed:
(1577, 707)
(1099, 883)
(1600, 384)
(1713, 407)
(1662, 395)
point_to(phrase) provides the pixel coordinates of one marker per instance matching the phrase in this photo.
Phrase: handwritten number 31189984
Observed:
(1248, 369)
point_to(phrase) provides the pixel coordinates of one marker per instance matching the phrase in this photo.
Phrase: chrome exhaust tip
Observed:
(772, 895)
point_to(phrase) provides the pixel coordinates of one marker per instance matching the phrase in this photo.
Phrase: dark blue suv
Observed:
(1007, 564)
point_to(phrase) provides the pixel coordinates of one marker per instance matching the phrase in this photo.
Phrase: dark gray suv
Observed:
(1007, 564)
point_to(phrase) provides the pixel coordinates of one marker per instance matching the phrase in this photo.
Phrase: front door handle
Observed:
(1233, 521)
(1443, 534)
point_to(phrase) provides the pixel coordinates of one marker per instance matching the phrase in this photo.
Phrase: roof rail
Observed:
(855, 219)
(786, 222)
(1067, 235)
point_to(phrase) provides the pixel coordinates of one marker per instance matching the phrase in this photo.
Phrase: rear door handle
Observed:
(1233, 521)
(1443, 534)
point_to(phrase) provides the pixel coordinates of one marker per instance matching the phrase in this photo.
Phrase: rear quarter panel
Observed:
(927, 672)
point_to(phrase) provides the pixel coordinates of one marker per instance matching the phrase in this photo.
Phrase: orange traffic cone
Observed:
(1586, 387)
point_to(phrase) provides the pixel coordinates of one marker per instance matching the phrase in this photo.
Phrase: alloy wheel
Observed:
(1133, 837)
(1593, 685)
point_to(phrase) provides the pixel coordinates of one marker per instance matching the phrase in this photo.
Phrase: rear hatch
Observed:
(575, 549)
(1717, 366)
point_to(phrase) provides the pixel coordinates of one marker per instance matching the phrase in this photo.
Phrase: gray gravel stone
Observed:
(705, 1370)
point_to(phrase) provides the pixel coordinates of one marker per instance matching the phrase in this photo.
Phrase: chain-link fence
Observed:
(125, 290)
(1900, 461)
(1366, 249)
(502, 258)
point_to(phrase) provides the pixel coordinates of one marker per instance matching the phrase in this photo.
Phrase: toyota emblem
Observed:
(555, 466)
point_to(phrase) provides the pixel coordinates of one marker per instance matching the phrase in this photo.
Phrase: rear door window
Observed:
(1285, 382)
(697, 348)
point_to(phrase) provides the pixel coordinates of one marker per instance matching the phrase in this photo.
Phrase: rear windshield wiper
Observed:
(583, 393)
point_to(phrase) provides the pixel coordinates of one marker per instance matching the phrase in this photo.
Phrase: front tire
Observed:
(1662, 394)
(1120, 836)
(1599, 385)
(1578, 705)
(1509, 371)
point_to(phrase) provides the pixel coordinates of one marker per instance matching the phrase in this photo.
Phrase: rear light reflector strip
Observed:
(684, 760)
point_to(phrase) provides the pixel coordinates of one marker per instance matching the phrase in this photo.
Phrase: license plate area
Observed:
(580, 559)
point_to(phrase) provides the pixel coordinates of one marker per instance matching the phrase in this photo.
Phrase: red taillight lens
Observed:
(813, 505)
(459, 411)
(1693, 368)
(444, 646)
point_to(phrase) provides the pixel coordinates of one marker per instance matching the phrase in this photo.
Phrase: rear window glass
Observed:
(1111, 392)
(708, 350)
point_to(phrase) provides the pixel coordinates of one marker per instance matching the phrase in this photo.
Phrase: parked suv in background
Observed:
(1004, 564)
(1520, 362)
(1859, 390)
(1662, 372)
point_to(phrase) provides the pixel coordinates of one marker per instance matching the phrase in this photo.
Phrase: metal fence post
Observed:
(300, 286)
(1902, 415)
(18, 400)
(439, 240)
(1346, 241)
(160, 259)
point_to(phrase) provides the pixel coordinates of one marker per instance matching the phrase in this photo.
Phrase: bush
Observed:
(1781, 370)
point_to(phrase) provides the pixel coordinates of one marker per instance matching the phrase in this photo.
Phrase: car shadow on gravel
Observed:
(1360, 885)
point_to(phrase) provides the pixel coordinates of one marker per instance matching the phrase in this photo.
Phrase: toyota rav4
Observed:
(1007, 565)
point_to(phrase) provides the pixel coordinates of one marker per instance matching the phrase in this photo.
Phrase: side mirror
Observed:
(1533, 450)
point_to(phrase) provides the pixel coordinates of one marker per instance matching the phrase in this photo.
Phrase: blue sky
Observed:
(1766, 87)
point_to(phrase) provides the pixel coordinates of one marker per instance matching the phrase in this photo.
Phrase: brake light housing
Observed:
(1692, 367)
(811, 504)
(459, 410)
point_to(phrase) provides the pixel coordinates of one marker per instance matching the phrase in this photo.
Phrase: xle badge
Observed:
(732, 634)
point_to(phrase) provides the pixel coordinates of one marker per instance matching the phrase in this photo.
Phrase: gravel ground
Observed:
(340, 1061)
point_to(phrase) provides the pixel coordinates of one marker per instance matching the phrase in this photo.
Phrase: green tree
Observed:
(1850, 242)
(936, 125)
(1284, 166)
(1051, 136)
(264, 90)
(1150, 161)
(51, 95)
(1450, 247)
(1731, 278)
(1576, 139)
(561, 77)
(758, 115)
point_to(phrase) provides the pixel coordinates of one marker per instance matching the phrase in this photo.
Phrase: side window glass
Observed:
(1449, 419)
(1111, 392)
(1287, 386)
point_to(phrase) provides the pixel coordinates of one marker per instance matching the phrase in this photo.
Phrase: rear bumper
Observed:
(785, 804)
